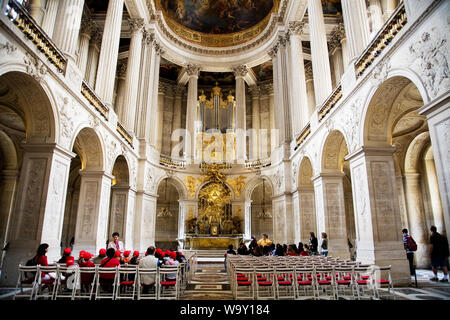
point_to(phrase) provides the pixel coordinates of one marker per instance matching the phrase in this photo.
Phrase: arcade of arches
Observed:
(288, 118)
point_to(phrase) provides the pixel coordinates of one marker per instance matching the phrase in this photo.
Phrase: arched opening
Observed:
(336, 188)
(167, 215)
(26, 119)
(261, 209)
(306, 200)
(120, 187)
(392, 119)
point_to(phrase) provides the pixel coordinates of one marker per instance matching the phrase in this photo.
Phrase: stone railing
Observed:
(303, 135)
(330, 102)
(171, 163)
(258, 164)
(124, 133)
(94, 100)
(383, 38)
(18, 15)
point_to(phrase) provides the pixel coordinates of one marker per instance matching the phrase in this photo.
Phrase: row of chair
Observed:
(121, 282)
(273, 278)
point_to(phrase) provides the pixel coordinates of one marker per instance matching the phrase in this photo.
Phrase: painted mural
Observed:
(217, 16)
(264, 71)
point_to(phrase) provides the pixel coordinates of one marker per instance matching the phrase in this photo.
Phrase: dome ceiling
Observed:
(218, 23)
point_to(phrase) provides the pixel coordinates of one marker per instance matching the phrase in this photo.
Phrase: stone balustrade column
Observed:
(193, 72)
(319, 51)
(256, 122)
(48, 21)
(132, 77)
(300, 113)
(109, 52)
(67, 26)
(241, 145)
(87, 27)
(92, 59)
(356, 24)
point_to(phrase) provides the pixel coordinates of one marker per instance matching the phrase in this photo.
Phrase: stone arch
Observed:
(334, 150)
(88, 145)
(386, 105)
(8, 153)
(121, 171)
(33, 102)
(177, 182)
(233, 194)
(416, 151)
(253, 183)
(306, 199)
(305, 172)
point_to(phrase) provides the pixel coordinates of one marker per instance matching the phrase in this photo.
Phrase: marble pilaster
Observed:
(239, 73)
(48, 21)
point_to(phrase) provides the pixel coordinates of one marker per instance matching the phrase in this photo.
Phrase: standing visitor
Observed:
(324, 245)
(439, 254)
(410, 246)
(312, 244)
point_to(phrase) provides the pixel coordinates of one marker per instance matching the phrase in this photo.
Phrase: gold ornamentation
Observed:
(237, 184)
(192, 184)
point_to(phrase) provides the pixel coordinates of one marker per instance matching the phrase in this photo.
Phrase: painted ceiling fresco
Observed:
(169, 70)
(264, 71)
(225, 79)
(217, 16)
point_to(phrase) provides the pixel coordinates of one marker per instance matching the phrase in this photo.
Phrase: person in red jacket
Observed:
(107, 279)
(86, 278)
(41, 259)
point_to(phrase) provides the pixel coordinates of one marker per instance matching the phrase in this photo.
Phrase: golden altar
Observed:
(210, 242)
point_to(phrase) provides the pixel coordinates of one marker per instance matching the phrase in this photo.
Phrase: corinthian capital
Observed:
(193, 70)
(296, 27)
(149, 37)
(240, 71)
(136, 24)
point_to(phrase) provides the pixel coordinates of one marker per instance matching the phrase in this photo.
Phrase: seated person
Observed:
(65, 256)
(291, 251)
(107, 279)
(101, 255)
(242, 250)
(265, 241)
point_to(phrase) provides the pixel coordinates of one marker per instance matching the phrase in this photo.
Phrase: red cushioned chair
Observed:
(243, 283)
(345, 284)
(324, 281)
(285, 284)
(46, 288)
(126, 282)
(383, 283)
(304, 286)
(169, 280)
(364, 282)
(265, 283)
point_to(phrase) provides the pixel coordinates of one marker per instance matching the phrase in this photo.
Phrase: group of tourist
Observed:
(113, 256)
(265, 247)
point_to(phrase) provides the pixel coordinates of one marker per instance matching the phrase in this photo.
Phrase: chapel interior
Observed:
(195, 125)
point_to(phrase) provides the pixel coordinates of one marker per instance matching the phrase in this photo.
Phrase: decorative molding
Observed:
(193, 70)
(35, 67)
(240, 71)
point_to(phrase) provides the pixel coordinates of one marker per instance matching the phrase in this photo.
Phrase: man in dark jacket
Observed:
(439, 254)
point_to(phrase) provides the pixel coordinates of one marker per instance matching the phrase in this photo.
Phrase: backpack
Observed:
(411, 245)
(32, 262)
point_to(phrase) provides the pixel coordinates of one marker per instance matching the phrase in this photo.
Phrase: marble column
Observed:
(311, 96)
(239, 73)
(300, 112)
(435, 199)
(91, 232)
(177, 126)
(83, 46)
(120, 92)
(330, 212)
(416, 218)
(389, 7)
(92, 59)
(296, 211)
(132, 77)
(337, 55)
(376, 16)
(39, 208)
(319, 51)
(145, 218)
(48, 21)
(193, 72)
(256, 122)
(162, 92)
(356, 26)
(155, 91)
(438, 118)
(283, 226)
(144, 120)
(376, 208)
(109, 52)
(36, 10)
(67, 26)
